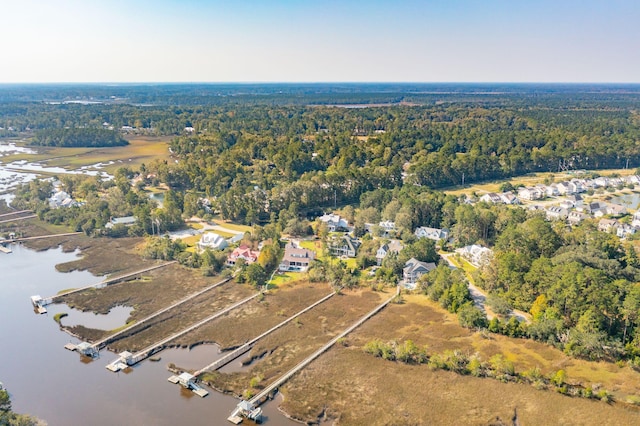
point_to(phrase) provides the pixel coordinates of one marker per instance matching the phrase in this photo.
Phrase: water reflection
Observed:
(630, 201)
(61, 387)
(117, 317)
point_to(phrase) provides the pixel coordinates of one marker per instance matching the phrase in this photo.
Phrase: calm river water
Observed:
(50, 382)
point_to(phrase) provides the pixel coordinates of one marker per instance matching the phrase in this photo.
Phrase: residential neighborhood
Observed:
(566, 201)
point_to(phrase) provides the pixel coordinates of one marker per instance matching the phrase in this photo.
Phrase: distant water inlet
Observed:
(630, 201)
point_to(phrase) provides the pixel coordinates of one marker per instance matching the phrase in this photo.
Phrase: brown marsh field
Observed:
(141, 149)
(345, 385)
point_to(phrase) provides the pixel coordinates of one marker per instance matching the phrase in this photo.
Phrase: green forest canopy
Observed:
(78, 137)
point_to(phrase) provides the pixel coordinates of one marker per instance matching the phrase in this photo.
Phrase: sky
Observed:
(319, 41)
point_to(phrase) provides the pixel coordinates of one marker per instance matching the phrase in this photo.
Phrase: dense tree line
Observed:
(99, 202)
(579, 284)
(78, 137)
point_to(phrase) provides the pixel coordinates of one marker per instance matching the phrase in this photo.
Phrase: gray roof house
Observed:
(413, 270)
(345, 246)
(432, 233)
(392, 246)
(126, 221)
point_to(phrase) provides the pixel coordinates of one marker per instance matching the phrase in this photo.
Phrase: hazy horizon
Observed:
(350, 41)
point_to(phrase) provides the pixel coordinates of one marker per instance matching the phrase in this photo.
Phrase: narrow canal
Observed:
(50, 382)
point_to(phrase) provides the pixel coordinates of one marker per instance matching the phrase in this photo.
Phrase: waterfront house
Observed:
(61, 199)
(213, 241)
(296, 259)
(344, 246)
(243, 252)
(414, 269)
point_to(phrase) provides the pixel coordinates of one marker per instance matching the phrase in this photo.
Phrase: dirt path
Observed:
(479, 297)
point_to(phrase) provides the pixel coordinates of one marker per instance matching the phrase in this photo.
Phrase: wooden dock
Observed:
(101, 343)
(258, 399)
(101, 284)
(31, 216)
(4, 249)
(247, 346)
(150, 350)
(39, 237)
(16, 212)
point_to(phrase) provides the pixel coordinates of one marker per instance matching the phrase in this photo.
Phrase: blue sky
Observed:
(310, 41)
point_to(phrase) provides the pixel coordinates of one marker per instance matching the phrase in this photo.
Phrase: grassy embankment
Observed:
(357, 388)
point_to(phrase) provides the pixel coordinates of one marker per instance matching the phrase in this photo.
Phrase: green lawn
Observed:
(232, 226)
(279, 278)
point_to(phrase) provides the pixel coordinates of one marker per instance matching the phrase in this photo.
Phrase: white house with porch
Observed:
(334, 222)
(212, 241)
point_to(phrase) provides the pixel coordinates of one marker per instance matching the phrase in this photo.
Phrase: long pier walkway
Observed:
(39, 237)
(48, 300)
(247, 346)
(101, 343)
(259, 397)
(131, 359)
(18, 218)
(16, 212)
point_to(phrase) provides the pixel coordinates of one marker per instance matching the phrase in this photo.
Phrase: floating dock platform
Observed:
(188, 381)
(236, 420)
